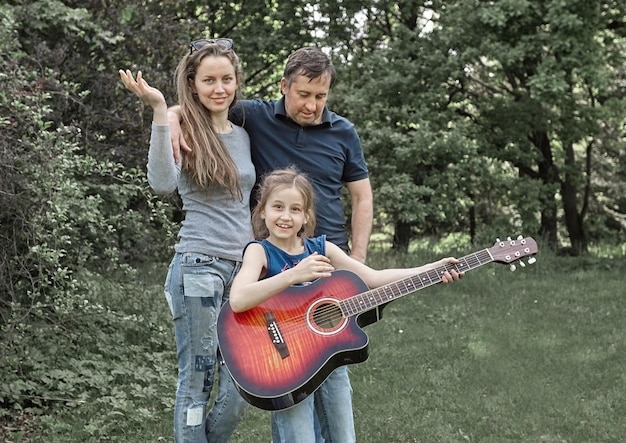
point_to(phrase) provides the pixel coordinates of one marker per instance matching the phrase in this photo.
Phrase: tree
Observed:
(532, 91)
(549, 68)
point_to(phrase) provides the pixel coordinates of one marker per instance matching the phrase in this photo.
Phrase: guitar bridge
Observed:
(275, 335)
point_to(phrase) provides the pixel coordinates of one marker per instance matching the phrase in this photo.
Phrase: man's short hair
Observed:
(310, 62)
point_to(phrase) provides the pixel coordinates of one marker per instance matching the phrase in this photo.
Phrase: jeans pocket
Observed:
(202, 286)
(191, 260)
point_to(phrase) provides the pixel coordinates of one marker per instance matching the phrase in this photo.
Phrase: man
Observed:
(300, 130)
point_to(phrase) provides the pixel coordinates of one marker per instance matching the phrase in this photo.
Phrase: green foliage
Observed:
(542, 66)
(68, 223)
(104, 367)
(454, 98)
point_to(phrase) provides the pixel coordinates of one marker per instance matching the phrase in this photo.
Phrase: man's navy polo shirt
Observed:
(329, 153)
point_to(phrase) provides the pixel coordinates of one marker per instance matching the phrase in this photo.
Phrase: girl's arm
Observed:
(374, 278)
(247, 291)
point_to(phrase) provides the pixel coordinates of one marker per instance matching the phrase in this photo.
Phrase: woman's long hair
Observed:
(209, 162)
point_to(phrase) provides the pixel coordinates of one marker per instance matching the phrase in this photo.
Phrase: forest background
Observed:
(478, 119)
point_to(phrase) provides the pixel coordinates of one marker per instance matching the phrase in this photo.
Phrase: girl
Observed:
(287, 255)
(214, 181)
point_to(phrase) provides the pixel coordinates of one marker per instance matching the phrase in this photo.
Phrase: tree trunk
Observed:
(549, 176)
(573, 219)
(548, 228)
(472, 221)
(401, 236)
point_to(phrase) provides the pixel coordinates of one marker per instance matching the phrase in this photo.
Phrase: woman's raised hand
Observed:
(149, 95)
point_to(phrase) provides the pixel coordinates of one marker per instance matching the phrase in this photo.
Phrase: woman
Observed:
(214, 181)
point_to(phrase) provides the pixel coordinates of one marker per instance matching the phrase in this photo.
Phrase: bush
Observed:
(68, 223)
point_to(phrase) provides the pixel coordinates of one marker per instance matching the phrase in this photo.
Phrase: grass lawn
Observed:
(525, 357)
(531, 356)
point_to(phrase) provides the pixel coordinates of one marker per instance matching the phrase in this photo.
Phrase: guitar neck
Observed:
(368, 300)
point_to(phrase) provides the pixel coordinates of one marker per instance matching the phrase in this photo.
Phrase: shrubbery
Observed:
(73, 232)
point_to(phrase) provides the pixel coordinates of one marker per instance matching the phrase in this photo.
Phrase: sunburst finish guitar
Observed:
(281, 351)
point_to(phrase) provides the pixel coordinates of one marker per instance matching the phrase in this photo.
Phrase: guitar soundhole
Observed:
(327, 316)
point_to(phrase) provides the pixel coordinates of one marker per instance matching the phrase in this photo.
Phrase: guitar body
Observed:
(281, 351)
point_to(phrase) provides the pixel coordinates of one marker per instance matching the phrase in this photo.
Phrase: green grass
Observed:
(531, 356)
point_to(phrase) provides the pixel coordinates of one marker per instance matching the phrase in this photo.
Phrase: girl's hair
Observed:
(275, 181)
(209, 162)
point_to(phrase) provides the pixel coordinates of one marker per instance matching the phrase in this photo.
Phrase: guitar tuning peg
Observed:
(497, 239)
(519, 237)
(531, 260)
(508, 239)
(522, 264)
(512, 266)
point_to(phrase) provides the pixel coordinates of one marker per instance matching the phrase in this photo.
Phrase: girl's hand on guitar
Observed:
(313, 267)
(449, 276)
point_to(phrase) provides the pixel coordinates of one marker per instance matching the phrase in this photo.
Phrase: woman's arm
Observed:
(149, 95)
(162, 169)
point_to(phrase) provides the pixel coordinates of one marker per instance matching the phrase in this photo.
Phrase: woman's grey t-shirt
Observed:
(216, 223)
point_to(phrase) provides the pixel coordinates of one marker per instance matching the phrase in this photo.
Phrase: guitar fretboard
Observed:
(370, 299)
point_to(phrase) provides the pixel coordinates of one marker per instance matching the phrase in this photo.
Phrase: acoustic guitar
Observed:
(279, 352)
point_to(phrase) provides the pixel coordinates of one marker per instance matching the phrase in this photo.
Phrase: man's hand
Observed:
(178, 141)
(358, 258)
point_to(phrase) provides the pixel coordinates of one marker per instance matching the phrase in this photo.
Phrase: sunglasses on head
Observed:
(224, 43)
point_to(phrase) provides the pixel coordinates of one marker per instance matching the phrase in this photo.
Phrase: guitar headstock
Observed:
(510, 250)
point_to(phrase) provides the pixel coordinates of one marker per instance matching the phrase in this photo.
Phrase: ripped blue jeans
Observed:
(195, 288)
